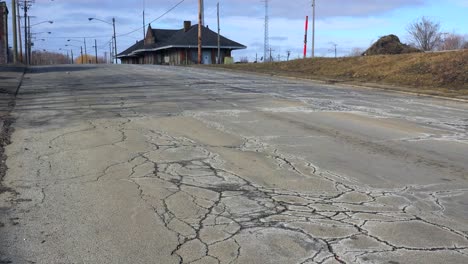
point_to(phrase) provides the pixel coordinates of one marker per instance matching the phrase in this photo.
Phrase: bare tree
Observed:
(452, 41)
(425, 34)
(244, 60)
(356, 52)
(465, 42)
(48, 58)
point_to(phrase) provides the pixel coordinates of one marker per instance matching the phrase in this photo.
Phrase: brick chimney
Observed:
(187, 25)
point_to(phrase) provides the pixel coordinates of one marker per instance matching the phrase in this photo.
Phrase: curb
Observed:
(20, 82)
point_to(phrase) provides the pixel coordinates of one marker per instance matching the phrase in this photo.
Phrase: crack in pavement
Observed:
(208, 205)
(220, 213)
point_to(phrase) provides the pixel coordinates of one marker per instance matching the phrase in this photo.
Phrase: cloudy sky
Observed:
(348, 23)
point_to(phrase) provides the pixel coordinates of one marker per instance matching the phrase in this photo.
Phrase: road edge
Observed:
(6, 130)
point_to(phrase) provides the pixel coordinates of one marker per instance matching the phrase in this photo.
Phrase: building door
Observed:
(206, 57)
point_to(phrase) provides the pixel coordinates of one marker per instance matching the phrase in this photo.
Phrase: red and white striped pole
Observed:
(305, 36)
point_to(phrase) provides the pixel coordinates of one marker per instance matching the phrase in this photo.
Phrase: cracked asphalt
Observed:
(149, 164)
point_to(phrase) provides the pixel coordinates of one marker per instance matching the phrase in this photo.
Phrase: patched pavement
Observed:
(148, 164)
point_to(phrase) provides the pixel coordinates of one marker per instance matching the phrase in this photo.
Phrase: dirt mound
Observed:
(388, 45)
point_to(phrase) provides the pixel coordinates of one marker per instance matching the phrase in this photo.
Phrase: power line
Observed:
(135, 30)
(165, 13)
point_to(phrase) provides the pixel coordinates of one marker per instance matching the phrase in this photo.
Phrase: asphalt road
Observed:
(147, 164)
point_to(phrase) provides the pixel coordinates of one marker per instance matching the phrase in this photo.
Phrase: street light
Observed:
(95, 50)
(47, 21)
(44, 32)
(84, 42)
(28, 35)
(115, 39)
(68, 55)
(81, 49)
(71, 51)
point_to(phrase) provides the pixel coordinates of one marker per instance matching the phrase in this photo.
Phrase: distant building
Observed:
(3, 33)
(178, 47)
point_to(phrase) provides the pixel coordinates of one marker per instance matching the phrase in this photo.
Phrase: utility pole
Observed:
(71, 56)
(115, 41)
(111, 61)
(81, 55)
(219, 39)
(266, 42)
(271, 57)
(26, 32)
(95, 50)
(19, 35)
(334, 48)
(15, 31)
(29, 41)
(85, 51)
(200, 6)
(313, 28)
(144, 23)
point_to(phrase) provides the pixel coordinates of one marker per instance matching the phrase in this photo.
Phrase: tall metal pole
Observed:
(144, 23)
(200, 3)
(19, 35)
(266, 42)
(85, 51)
(29, 41)
(110, 52)
(95, 49)
(71, 56)
(219, 39)
(15, 31)
(313, 28)
(81, 54)
(26, 32)
(305, 36)
(115, 41)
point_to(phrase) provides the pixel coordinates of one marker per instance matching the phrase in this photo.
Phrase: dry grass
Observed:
(444, 74)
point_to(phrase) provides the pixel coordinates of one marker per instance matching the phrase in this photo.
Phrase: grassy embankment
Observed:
(443, 74)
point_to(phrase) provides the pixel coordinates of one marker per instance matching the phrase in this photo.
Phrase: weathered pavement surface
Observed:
(10, 80)
(146, 164)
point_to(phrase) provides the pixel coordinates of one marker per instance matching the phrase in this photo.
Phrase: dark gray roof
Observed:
(167, 38)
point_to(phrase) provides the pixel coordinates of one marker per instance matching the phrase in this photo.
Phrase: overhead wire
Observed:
(156, 19)
(133, 31)
(124, 34)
